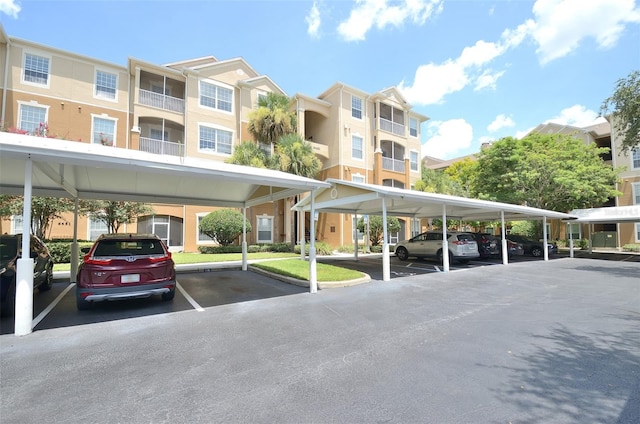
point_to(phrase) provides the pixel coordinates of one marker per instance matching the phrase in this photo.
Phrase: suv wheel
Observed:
(402, 253)
(536, 252)
(170, 295)
(441, 259)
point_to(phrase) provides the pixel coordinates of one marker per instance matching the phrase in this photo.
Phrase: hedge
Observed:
(60, 251)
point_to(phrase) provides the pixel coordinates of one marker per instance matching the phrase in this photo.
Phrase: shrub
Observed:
(60, 251)
(224, 225)
(322, 248)
(631, 248)
(583, 243)
(219, 249)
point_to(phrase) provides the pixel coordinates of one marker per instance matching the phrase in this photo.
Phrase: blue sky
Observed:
(481, 70)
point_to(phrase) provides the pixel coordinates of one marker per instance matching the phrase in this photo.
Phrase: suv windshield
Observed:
(128, 248)
(465, 237)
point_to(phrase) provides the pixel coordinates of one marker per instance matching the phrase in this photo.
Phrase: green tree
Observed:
(43, 211)
(296, 156)
(223, 225)
(434, 181)
(249, 154)
(463, 173)
(549, 171)
(116, 213)
(376, 228)
(272, 119)
(624, 106)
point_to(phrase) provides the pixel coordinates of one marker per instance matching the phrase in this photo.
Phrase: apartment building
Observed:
(363, 137)
(612, 234)
(199, 108)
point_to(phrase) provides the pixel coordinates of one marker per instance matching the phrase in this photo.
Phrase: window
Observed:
(215, 140)
(357, 147)
(415, 227)
(267, 148)
(96, 227)
(215, 97)
(265, 229)
(32, 118)
(106, 85)
(16, 224)
(636, 193)
(357, 178)
(36, 69)
(637, 232)
(356, 234)
(413, 127)
(202, 237)
(157, 134)
(573, 231)
(356, 107)
(635, 159)
(413, 160)
(104, 131)
(262, 98)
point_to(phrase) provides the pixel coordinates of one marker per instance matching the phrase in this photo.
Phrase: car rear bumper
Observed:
(120, 293)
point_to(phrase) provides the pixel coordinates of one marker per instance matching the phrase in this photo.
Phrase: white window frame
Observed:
(259, 94)
(22, 105)
(353, 137)
(635, 158)
(199, 240)
(416, 228)
(357, 109)
(24, 68)
(16, 224)
(158, 129)
(94, 224)
(637, 232)
(413, 125)
(358, 178)
(413, 165)
(258, 239)
(216, 99)
(635, 191)
(105, 118)
(216, 128)
(102, 94)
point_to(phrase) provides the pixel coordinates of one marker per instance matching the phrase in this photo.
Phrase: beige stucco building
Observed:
(200, 108)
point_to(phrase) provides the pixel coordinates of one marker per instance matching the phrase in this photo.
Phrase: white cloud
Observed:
(521, 134)
(501, 121)
(488, 80)
(432, 82)
(313, 21)
(9, 7)
(577, 116)
(560, 25)
(378, 13)
(446, 138)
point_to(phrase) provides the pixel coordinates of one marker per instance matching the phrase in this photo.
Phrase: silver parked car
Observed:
(462, 246)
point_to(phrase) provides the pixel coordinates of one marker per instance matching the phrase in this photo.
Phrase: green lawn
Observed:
(299, 269)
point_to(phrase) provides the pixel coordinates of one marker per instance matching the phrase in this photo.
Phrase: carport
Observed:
(368, 199)
(611, 215)
(60, 168)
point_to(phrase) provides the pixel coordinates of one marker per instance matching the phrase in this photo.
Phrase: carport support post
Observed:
(445, 243)
(24, 272)
(503, 241)
(545, 245)
(74, 244)
(303, 236)
(570, 239)
(355, 244)
(313, 272)
(244, 238)
(386, 268)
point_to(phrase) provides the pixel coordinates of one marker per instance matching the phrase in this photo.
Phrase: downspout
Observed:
(5, 82)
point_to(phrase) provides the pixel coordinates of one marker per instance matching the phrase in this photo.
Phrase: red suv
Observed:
(125, 266)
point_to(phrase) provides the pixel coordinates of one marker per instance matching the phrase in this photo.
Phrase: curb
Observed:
(305, 283)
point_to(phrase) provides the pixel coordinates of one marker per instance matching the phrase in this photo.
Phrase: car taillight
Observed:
(460, 242)
(160, 258)
(93, 261)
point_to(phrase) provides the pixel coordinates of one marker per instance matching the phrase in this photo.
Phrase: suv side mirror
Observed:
(85, 249)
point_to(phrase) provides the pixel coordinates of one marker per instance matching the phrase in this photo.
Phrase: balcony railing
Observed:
(161, 101)
(159, 147)
(392, 127)
(393, 164)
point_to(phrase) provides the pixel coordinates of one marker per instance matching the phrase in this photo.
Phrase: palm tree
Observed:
(272, 119)
(249, 154)
(297, 157)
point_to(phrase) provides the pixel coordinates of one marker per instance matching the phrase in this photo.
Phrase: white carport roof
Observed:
(607, 215)
(90, 171)
(365, 199)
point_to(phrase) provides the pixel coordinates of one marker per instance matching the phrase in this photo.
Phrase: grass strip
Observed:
(299, 269)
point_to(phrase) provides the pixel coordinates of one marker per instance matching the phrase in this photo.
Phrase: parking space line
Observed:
(52, 305)
(190, 299)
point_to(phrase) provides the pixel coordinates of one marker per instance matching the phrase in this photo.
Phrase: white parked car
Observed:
(462, 246)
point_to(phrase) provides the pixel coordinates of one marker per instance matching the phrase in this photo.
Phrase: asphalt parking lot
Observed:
(531, 342)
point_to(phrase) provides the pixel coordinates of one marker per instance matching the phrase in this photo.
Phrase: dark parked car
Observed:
(125, 266)
(490, 246)
(533, 247)
(10, 252)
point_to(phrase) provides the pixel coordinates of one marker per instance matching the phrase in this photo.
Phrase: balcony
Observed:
(161, 101)
(392, 127)
(393, 165)
(159, 147)
(319, 149)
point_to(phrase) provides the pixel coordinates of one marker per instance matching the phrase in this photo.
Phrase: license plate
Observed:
(130, 278)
